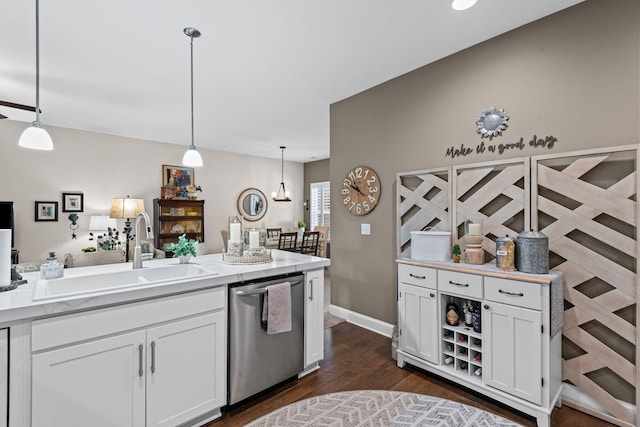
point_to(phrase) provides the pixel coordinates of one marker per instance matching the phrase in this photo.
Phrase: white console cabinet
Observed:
(512, 358)
(153, 363)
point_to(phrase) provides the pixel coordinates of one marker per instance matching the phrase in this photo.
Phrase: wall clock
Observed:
(360, 190)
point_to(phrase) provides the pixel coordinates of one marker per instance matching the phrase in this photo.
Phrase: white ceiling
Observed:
(265, 71)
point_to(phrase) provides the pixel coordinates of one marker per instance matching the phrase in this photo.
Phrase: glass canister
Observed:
(52, 269)
(532, 252)
(506, 253)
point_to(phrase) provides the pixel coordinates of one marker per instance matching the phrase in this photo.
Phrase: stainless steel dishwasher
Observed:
(258, 360)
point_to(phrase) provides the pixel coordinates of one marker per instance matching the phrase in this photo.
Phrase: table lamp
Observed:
(126, 208)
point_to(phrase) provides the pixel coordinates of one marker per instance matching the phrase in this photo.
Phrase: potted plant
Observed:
(456, 252)
(301, 227)
(184, 249)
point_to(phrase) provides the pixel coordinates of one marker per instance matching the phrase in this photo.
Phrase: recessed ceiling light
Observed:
(462, 4)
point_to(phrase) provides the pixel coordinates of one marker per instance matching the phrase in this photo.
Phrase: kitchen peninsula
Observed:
(109, 345)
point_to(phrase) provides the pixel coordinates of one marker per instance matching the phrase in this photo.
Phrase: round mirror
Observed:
(252, 204)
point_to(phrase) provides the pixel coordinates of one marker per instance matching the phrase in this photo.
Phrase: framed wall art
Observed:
(72, 202)
(177, 176)
(46, 211)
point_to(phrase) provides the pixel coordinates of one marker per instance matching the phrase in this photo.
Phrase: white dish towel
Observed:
(276, 308)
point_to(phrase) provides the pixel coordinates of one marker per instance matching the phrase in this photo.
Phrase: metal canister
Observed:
(532, 252)
(505, 253)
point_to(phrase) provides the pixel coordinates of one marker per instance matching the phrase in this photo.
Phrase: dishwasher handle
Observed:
(262, 290)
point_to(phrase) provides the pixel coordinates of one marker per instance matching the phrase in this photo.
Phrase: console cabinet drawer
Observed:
(465, 284)
(417, 276)
(513, 292)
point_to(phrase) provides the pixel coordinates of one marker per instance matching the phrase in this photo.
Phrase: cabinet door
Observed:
(513, 350)
(418, 312)
(186, 369)
(314, 317)
(96, 383)
(4, 376)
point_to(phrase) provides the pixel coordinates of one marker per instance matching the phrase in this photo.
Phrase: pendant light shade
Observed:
(462, 4)
(282, 195)
(192, 158)
(35, 136)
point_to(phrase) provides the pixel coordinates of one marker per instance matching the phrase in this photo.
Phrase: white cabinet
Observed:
(186, 369)
(4, 376)
(509, 356)
(167, 366)
(95, 383)
(418, 314)
(513, 350)
(314, 317)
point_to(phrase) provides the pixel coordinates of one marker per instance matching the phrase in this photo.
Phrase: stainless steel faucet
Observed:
(137, 252)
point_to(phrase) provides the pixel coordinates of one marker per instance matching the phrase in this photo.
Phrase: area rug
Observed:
(380, 408)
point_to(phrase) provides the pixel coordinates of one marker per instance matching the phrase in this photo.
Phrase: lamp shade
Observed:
(102, 223)
(126, 208)
(192, 157)
(36, 138)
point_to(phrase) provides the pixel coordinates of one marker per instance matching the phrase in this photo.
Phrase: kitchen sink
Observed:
(92, 283)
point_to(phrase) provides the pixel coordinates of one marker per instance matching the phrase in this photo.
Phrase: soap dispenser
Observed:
(52, 269)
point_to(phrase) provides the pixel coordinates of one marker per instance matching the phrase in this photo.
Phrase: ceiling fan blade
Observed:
(18, 106)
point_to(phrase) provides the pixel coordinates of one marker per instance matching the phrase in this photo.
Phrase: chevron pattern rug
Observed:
(379, 408)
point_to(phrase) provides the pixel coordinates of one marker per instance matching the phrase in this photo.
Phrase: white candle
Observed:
(254, 239)
(474, 229)
(234, 232)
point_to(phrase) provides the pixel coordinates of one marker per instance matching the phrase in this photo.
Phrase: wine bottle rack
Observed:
(461, 346)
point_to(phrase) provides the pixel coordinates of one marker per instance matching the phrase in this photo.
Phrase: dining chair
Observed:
(309, 243)
(273, 232)
(322, 244)
(225, 238)
(287, 241)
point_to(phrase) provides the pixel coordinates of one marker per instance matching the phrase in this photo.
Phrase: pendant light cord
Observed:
(192, 131)
(38, 61)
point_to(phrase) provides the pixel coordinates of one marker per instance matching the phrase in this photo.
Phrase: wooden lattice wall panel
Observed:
(423, 203)
(586, 205)
(498, 195)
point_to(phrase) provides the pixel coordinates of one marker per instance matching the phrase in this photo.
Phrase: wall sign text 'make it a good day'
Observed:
(535, 142)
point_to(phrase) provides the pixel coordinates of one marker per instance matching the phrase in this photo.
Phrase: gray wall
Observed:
(573, 75)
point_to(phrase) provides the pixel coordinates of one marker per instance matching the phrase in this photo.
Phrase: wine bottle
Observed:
(476, 316)
(463, 365)
(468, 316)
(452, 312)
(478, 371)
(448, 360)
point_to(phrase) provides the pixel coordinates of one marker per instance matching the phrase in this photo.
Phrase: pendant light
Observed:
(281, 195)
(35, 136)
(192, 158)
(462, 4)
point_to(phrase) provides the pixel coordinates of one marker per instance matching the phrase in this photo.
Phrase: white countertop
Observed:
(19, 304)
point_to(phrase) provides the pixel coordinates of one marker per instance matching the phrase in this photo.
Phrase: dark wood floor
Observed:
(358, 359)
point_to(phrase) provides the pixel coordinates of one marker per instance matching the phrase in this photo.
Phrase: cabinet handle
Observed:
(466, 285)
(140, 361)
(511, 293)
(153, 357)
(417, 277)
(311, 290)
(432, 295)
(486, 307)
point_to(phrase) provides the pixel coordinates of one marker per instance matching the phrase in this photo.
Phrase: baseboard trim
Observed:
(374, 325)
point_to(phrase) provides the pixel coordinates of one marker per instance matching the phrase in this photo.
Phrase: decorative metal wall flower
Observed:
(491, 123)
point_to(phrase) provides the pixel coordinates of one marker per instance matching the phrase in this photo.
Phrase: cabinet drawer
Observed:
(465, 284)
(513, 292)
(418, 276)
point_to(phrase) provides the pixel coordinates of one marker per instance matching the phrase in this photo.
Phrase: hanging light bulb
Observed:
(282, 195)
(35, 136)
(191, 157)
